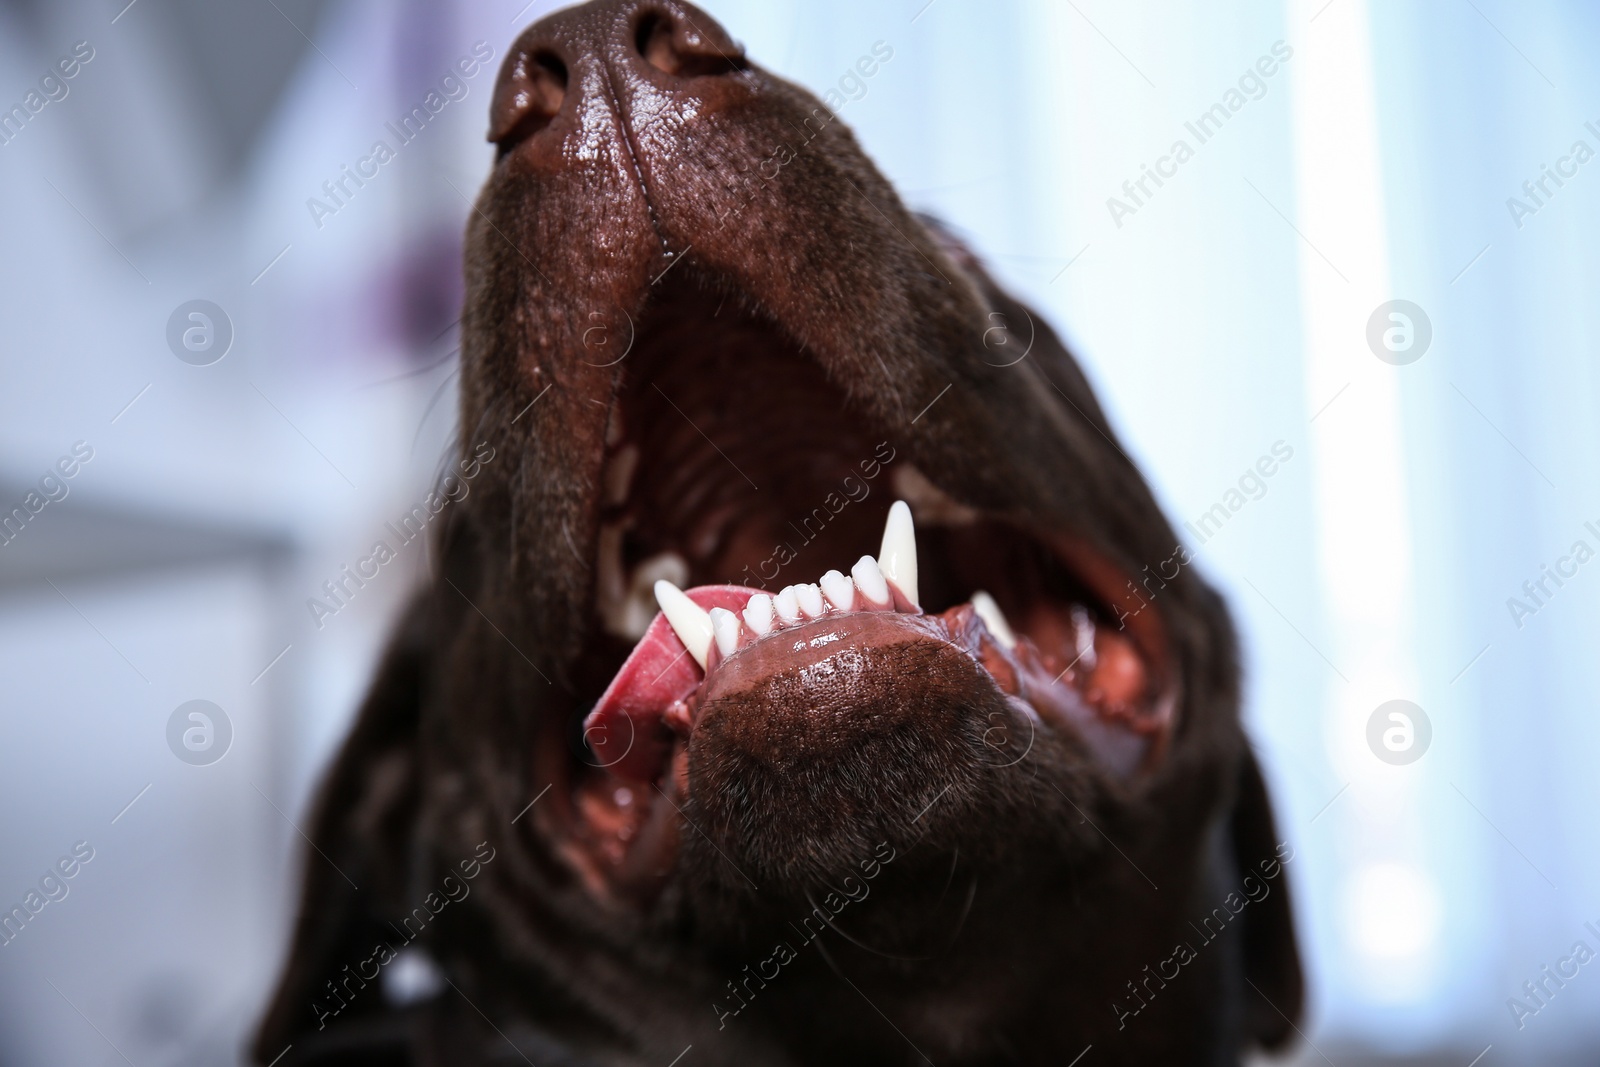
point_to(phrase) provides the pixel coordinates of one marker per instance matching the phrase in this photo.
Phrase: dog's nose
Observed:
(605, 47)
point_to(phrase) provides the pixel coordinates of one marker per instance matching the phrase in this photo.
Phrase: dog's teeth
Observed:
(810, 598)
(758, 614)
(689, 620)
(870, 583)
(1083, 634)
(629, 613)
(993, 618)
(787, 605)
(725, 625)
(619, 473)
(898, 556)
(840, 591)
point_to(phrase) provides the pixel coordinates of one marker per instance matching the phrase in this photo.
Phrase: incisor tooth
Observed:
(810, 598)
(725, 625)
(993, 618)
(870, 583)
(787, 605)
(689, 620)
(898, 556)
(758, 614)
(840, 591)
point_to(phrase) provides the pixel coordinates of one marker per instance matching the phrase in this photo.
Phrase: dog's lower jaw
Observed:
(797, 747)
(796, 781)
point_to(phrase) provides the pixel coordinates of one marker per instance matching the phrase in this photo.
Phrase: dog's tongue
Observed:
(628, 730)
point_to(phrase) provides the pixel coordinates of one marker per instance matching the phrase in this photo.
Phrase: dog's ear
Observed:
(360, 830)
(1275, 995)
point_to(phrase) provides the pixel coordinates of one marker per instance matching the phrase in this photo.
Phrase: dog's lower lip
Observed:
(653, 704)
(649, 700)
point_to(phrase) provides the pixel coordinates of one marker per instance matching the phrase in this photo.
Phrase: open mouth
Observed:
(751, 564)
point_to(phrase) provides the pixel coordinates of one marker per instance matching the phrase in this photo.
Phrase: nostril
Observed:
(679, 48)
(549, 81)
(653, 39)
(529, 99)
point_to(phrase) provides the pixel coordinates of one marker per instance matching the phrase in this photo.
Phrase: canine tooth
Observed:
(898, 556)
(787, 605)
(870, 583)
(689, 620)
(810, 598)
(840, 591)
(993, 618)
(758, 614)
(725, 625)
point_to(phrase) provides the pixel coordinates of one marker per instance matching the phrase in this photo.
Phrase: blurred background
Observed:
(221, 379)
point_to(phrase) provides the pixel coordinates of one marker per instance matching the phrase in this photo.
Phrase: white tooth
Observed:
(993, 618)
(758, 614)
(689, 620)
(898, 556)
(841, 591)
(629, 611)
(725, 624)
(870, 583)
(810, 598)
(787, 605)
(1083, 633)
(619, 474)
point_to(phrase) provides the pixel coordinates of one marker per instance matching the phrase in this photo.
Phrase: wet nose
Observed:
(664, 44)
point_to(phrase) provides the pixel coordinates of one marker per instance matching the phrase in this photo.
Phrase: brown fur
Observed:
(1016, 914)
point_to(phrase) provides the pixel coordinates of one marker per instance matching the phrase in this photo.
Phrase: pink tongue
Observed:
(626, 730)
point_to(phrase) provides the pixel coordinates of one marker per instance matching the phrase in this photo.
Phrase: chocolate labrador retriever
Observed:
(978, 794)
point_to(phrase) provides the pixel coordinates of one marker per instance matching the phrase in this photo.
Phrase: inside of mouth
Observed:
(737, 467)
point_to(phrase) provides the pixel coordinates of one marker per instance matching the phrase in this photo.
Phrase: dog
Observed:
(931, 753)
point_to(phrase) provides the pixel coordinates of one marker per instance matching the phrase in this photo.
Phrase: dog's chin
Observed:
(834, 673)
(816, 746)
